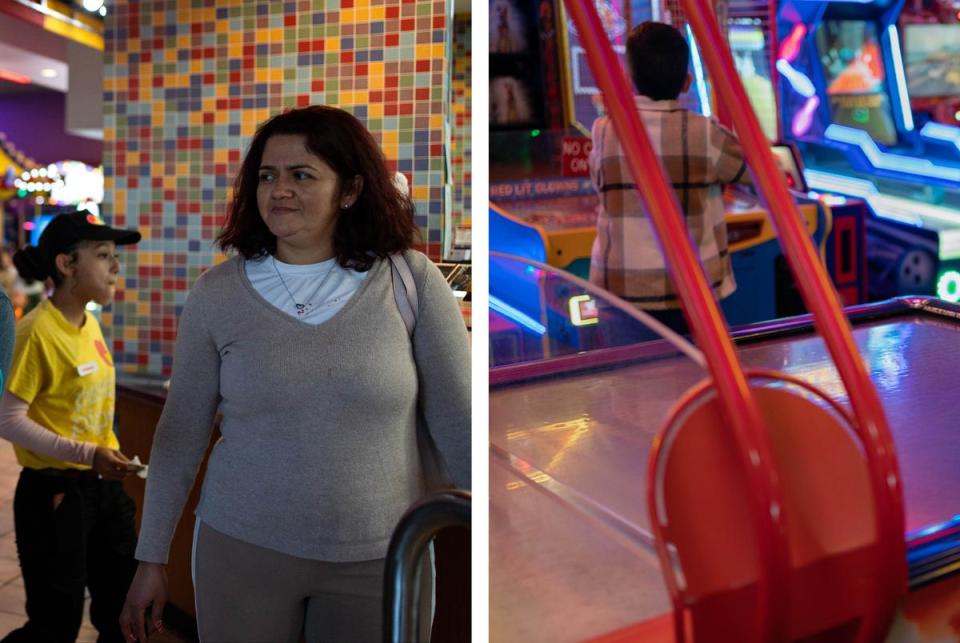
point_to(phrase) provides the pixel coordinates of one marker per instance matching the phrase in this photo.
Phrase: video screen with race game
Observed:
(932, 56)
(853, 69)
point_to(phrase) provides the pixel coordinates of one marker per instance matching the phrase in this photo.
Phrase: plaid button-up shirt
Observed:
(699, 156)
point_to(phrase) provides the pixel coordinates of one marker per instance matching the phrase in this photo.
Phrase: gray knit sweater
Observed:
(318, 457)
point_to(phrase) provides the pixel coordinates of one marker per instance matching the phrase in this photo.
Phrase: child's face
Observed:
(95, 271)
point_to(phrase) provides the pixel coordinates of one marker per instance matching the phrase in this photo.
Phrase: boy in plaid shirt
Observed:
(698, 155)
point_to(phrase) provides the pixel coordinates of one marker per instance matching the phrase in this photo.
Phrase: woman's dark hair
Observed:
(34, 265)
(659, 57)
(379, 223)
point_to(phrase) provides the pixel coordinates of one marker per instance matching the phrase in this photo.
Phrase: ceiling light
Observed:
(93, 5)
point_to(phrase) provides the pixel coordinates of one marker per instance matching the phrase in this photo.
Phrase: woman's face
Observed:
(299, 199)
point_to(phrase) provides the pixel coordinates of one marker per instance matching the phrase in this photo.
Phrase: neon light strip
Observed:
(797, 79)
(698, 74)
(512, 313)
(886, 160)
(940, 132)
(899, 77)
(14, 77)
(914, 213)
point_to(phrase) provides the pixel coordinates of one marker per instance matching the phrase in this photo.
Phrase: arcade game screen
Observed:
(516, 84)
(932, 54)
(748, 46)
(852, 62)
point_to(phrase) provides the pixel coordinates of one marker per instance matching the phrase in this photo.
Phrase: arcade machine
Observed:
(931, 52)
(543, 205)
(844, 102)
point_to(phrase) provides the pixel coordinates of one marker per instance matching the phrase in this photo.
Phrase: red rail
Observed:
(740, 410)
(821, 299)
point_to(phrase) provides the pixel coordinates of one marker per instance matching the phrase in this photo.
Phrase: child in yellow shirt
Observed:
(74, 523)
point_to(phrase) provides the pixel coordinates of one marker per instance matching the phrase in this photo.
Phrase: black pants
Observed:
(84, 538)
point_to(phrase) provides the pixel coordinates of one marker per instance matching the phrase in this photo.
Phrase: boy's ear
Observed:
(65, 264)
(687, 83)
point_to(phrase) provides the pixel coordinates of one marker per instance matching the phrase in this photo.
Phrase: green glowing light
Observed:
(948, 286)
(534, 133)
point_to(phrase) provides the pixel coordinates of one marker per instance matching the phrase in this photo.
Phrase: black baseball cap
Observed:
(69, 228)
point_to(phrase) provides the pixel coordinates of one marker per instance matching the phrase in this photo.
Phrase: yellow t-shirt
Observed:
(67, 377)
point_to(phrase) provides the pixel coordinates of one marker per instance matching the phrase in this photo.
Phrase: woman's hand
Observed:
(148, 589)
(111, 464)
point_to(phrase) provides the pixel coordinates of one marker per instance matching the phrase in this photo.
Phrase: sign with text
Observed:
(575, 155)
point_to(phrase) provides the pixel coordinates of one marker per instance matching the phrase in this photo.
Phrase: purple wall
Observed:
(35, 123)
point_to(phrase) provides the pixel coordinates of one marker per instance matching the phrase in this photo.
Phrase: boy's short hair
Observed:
(659, 56)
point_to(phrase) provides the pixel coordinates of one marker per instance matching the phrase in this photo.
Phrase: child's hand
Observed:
(110, 464)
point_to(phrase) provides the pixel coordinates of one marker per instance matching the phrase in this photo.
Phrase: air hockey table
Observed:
(571, 424)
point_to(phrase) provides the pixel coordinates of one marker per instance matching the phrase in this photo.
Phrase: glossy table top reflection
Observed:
(589, 435)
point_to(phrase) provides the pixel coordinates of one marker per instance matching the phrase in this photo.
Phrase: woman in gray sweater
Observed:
(299, 342)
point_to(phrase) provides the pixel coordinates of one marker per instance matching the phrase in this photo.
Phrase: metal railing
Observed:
(409, 543)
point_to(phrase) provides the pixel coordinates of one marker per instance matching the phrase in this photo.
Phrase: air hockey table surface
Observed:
(570, 547)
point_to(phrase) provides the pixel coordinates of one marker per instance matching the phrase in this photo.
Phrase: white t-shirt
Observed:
(321, 289)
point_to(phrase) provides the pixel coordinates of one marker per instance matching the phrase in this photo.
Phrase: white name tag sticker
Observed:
(86, 369)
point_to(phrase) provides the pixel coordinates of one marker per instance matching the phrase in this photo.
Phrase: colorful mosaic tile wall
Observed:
(460, 152)
(186, 83)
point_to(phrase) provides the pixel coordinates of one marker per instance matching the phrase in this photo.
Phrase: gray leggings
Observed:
(249, 594)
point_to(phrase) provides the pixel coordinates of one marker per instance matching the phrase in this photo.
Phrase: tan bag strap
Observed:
(407, 300)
